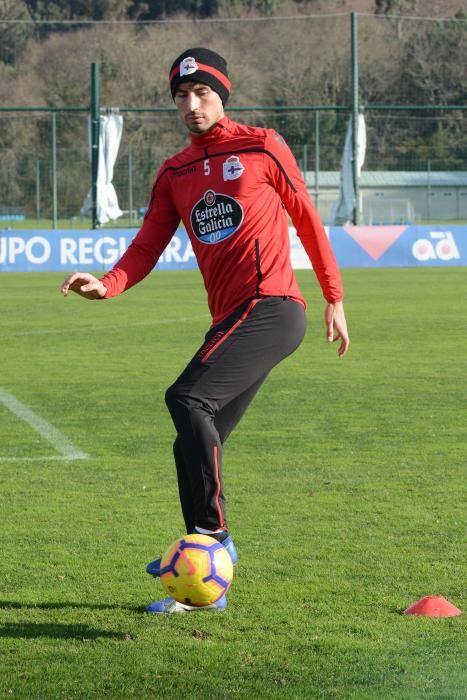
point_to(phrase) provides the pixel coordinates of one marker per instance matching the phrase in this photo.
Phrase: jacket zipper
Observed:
(259, 275)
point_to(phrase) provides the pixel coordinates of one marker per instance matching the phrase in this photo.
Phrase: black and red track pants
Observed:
(213, 392)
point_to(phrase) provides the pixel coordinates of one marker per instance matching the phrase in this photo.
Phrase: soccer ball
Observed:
(196, 570)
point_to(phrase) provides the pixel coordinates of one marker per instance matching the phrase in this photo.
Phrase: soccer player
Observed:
(232, 187)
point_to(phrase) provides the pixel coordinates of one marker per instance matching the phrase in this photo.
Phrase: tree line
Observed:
(274, 63)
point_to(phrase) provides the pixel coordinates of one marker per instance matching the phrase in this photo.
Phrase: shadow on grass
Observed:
(15, 605)
(54, 630)
(34, 630)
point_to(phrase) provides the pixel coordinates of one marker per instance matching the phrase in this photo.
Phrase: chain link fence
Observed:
(292, 74)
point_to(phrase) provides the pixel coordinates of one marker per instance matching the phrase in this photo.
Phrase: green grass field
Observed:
(346, 488)
(78, 222)
(75, 222)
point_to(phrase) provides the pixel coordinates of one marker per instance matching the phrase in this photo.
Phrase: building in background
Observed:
(388, 197)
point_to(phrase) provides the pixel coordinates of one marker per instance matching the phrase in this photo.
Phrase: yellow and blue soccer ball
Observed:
(196, 570)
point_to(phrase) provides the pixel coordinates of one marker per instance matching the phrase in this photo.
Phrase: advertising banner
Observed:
(354, 246)
(399, 246)
(84, 250)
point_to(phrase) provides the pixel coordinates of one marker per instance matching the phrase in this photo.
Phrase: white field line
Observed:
(54, 458)
(45, 430)
(53, 331)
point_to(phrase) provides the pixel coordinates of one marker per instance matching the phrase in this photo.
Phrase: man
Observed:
(232, 187)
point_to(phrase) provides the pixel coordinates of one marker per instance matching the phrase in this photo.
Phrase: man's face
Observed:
(199, 106)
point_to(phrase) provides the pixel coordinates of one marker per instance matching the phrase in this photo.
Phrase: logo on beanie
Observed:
(215, 217)
(232, 168)
(188, 66)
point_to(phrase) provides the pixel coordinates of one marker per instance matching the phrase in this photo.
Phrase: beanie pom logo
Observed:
(188, 66)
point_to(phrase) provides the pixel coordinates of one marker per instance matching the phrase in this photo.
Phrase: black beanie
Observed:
(201, 66)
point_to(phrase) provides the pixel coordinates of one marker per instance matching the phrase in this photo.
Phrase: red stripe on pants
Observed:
(247, 311)
(218, 485)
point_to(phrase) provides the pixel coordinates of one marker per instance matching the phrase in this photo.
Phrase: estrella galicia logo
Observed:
(215, 217)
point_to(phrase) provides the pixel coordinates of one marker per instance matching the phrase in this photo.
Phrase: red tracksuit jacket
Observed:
(231, 188)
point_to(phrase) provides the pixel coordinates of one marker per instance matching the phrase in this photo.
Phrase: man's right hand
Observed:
(84, 284)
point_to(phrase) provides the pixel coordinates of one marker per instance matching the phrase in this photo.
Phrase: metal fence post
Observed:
(54, 170)
(428, 190)
(317, 155)
(355, 111)
(130, 182)
(95, 111)
(38, 189)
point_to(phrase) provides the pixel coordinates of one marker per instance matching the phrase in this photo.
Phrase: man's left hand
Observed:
(336, 326)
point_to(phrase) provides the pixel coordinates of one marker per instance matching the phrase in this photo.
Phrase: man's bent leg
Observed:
(202, 451)
(277, 332)
(225, 421)
(211, 395)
